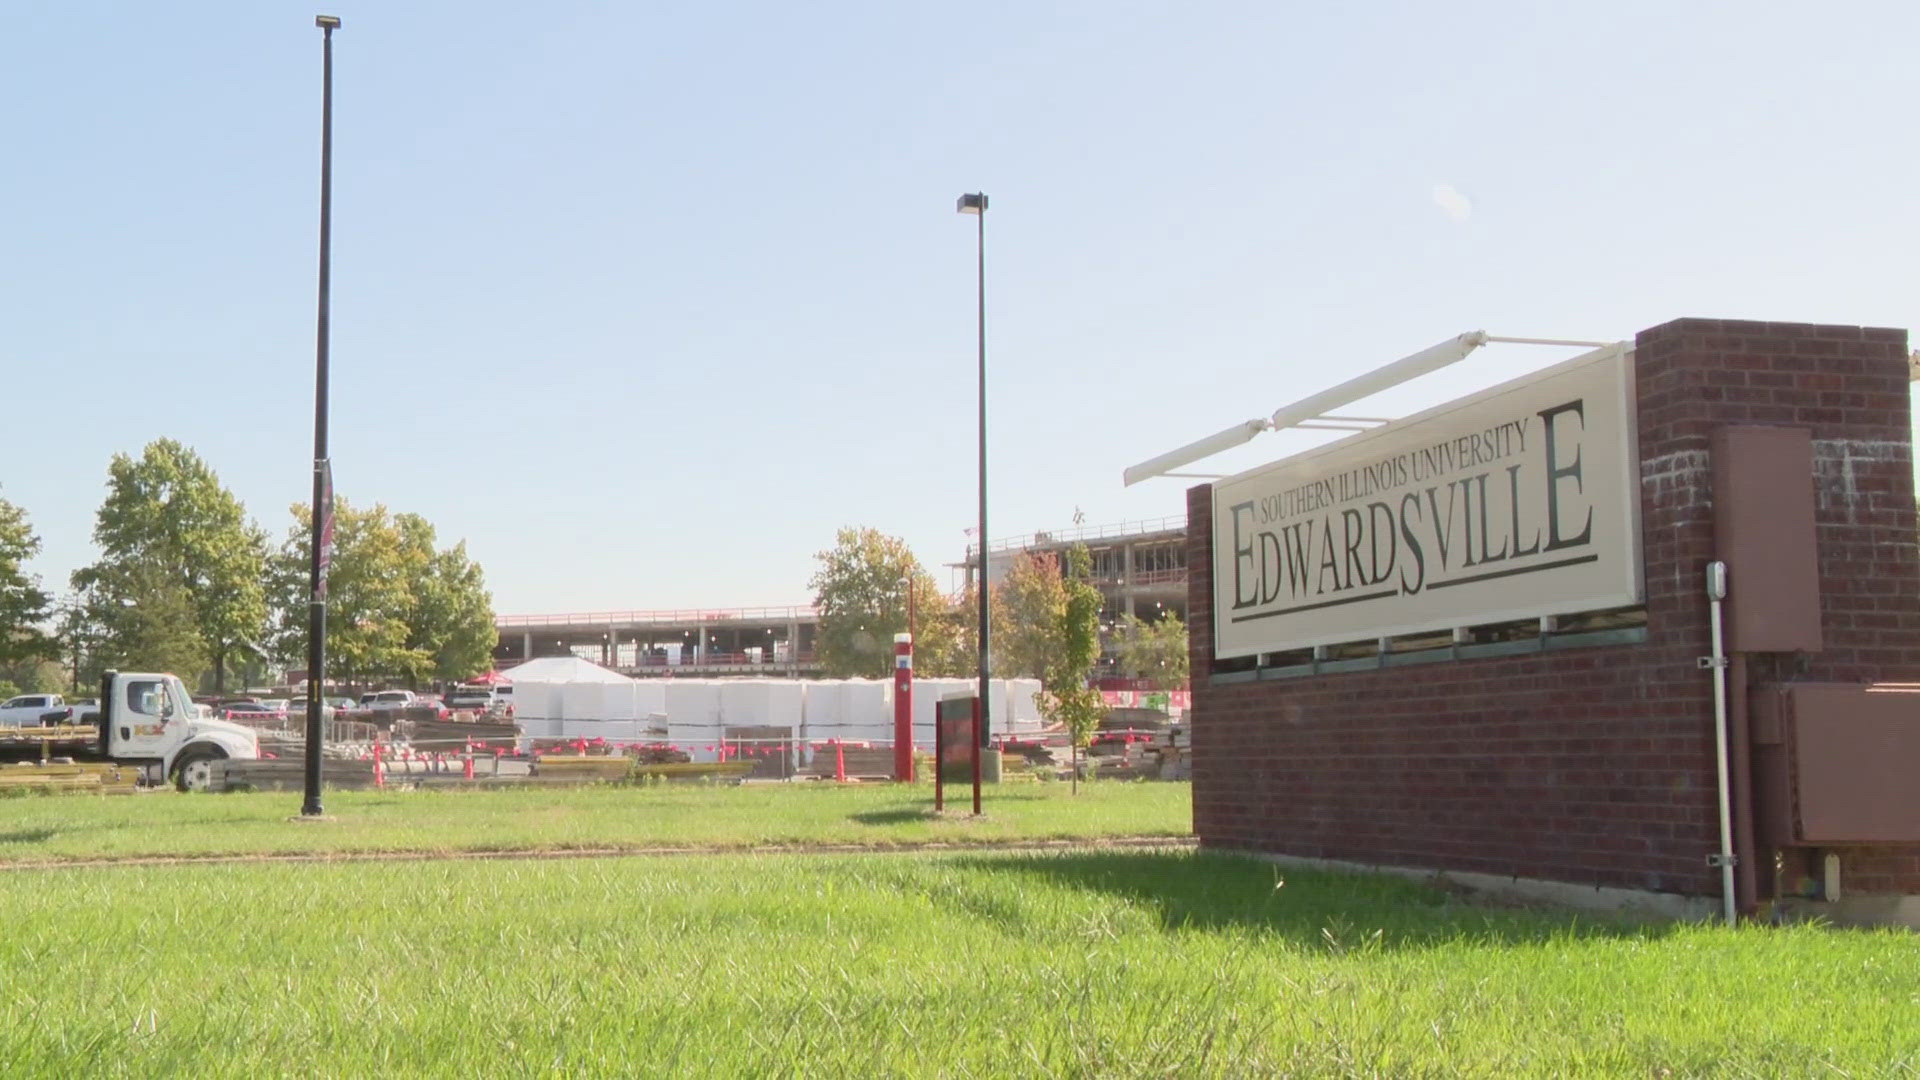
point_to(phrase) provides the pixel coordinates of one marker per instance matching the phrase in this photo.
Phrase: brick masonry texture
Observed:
(1591, 765)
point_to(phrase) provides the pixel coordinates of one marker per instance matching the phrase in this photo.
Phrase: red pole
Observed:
(379, 774)
(903, 706)
(939, 761)
(839, 762)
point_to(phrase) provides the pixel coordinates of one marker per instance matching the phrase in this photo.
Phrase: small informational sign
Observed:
(957, 717)
(1519, 501)
(956, 747)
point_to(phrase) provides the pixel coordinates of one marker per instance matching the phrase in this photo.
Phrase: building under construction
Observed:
(1140, 568)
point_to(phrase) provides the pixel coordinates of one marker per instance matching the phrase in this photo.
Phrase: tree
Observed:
(23, 604)
(369, 594)
(35, 676)
(450, 627)
(1156, 651)
(396, 605)
(1034, 597)
(1048, 614)
(144, 620)
(947, 641)
(1072, 649)
(861, 591)
(167, 521)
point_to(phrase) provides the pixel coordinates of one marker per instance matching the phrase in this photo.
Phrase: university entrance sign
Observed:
(1516, 502)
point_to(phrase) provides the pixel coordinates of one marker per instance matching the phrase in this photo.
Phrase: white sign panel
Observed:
(1516, 502)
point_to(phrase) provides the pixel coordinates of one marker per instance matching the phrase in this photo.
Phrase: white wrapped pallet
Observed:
(869, 711)
(536, 728)
(926, 705)
(823, 709)
(1022, 711)
(784, 707)
(744, 702)
(649, 698)
(533, 702)
(582, 701)
(621, 731)
(693, 717)
(617, 701)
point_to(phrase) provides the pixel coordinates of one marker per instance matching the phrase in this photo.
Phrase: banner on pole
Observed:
(326, 526)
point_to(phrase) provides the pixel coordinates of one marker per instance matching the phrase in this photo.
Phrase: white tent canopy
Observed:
(563, 669)
(551, 691)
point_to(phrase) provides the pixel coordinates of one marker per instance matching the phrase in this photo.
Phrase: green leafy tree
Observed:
(947, 641)
(1033, 601)
(82, 640)
(396, 604)
(369, 593)
(450, 627)
(1156, 651)
(23, 604)
(144, 617)
(167, 516)
(861, 590)
(1072, 648)
(36, 676)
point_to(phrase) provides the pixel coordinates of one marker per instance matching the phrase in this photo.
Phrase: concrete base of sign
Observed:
(1862, 910)
(1635, 903)
(990, 766)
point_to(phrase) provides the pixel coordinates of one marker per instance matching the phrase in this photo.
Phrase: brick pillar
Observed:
(1849, 386)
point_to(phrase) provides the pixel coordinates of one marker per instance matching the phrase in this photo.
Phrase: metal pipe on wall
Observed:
(1717, 663)
(1745, 854)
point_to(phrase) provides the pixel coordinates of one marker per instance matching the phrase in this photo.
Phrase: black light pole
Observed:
(322, 505)
(977, 206)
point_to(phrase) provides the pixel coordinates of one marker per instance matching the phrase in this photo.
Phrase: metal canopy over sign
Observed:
(1516, 502)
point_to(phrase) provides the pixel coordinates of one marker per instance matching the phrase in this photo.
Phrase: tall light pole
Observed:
(322, 505)
(976, 204)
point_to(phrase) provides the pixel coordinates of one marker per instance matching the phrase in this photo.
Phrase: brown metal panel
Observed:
(1856, 758)
(1763, 529)
(1772, 770)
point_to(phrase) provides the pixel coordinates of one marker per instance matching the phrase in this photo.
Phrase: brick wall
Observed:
(1591, 765)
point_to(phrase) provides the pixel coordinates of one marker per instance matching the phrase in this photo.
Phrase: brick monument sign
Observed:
(1481, 640)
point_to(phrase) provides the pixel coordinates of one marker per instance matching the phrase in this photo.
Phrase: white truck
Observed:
(143, 719)
(493, 700)
(30, 710)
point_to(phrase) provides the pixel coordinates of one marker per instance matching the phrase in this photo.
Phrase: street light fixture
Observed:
(322, 512)
(976, 204)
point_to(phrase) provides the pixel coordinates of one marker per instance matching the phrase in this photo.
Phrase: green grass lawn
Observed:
(166, 823)
(1088, 963)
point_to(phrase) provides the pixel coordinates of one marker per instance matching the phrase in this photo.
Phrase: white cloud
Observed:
(1451, 202)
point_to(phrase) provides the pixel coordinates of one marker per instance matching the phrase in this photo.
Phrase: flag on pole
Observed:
(326, 524)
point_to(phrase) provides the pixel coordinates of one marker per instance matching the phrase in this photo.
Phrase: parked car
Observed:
(297, 708)
(388, 701)
(29, 710)
(494, 701)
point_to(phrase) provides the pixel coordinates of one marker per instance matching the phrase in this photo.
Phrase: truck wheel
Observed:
(194, 770)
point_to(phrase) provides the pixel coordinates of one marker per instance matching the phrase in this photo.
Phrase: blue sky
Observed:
(645, 301)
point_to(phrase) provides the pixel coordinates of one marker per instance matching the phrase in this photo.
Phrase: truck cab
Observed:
(149, 719)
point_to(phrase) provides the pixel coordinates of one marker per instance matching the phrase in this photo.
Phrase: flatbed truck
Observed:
(146, 720)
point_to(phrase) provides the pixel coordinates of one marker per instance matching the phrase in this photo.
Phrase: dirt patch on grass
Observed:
(611, 852)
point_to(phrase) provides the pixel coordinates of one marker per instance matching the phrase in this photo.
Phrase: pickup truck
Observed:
(30, 710)
(388, 701)
(491, 700)
(143, 719)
